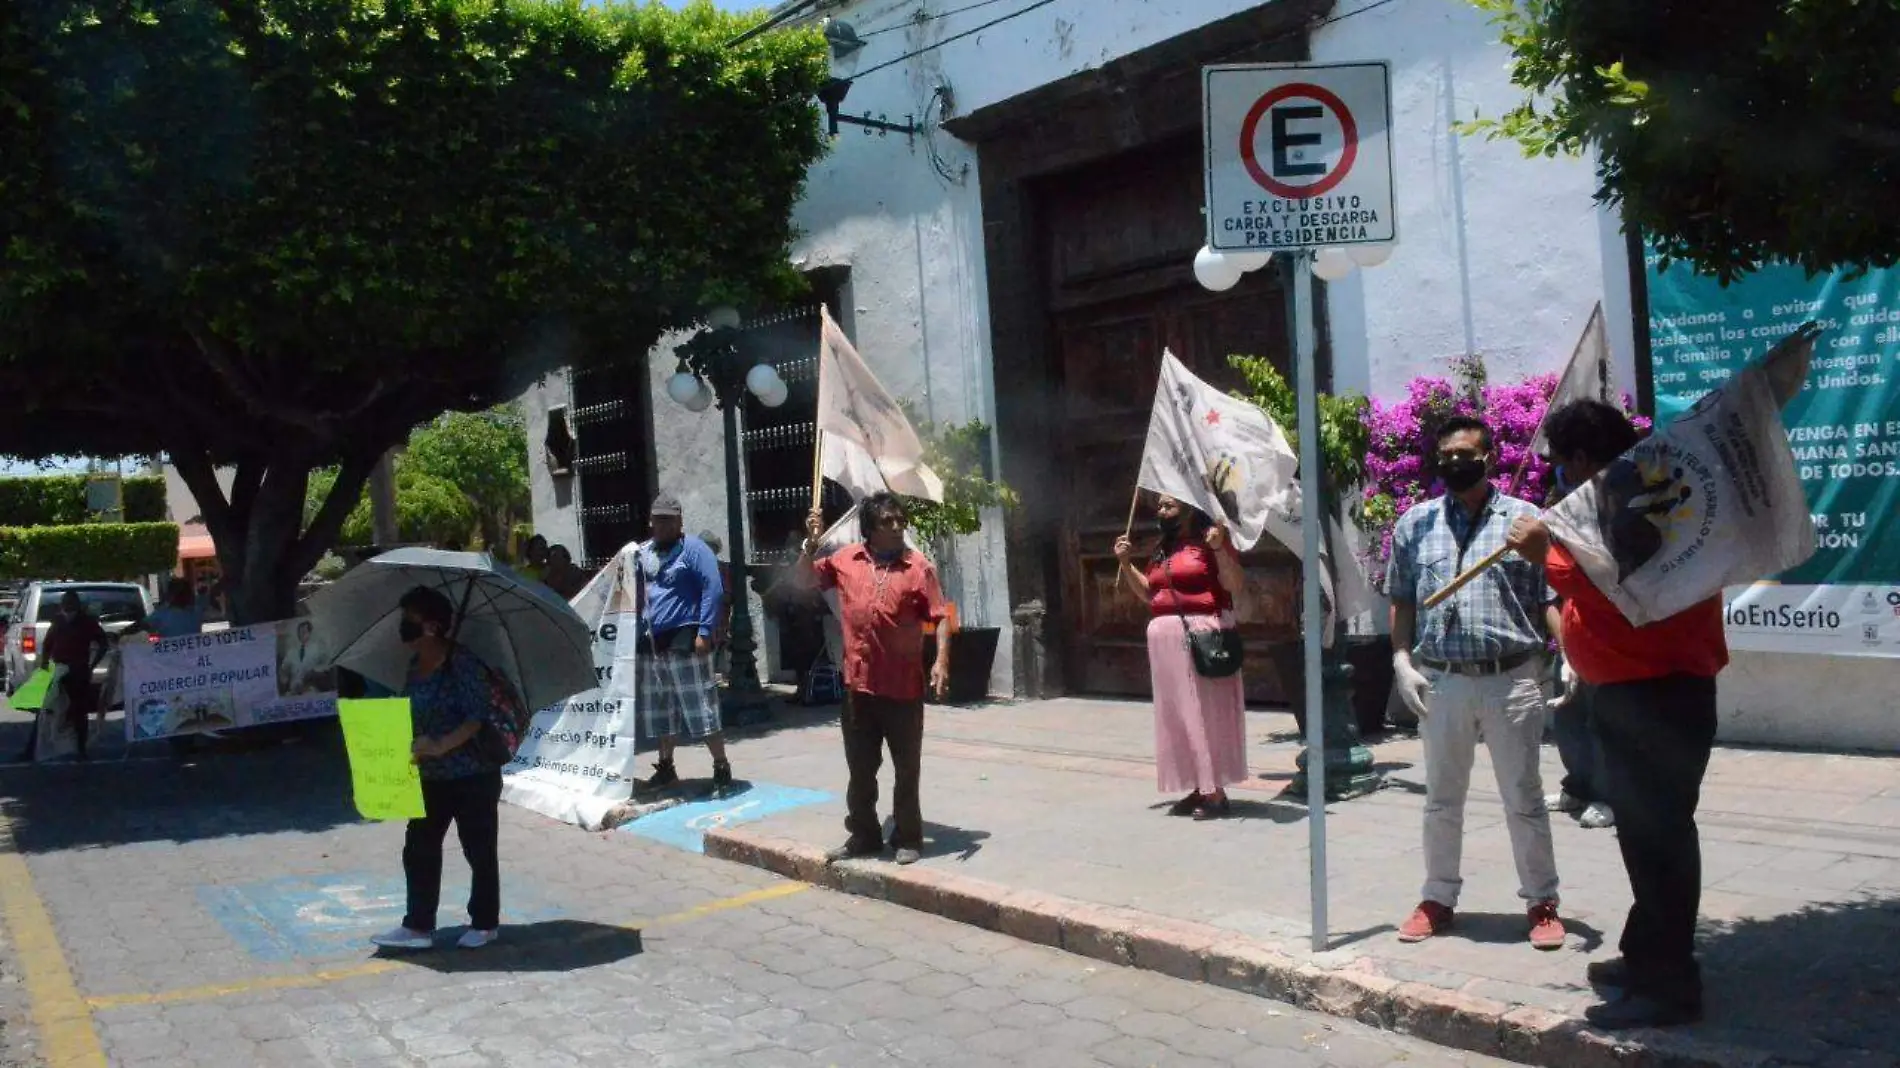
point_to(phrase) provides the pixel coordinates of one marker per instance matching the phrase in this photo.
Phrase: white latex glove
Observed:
(1566, 685)
(1410, 681)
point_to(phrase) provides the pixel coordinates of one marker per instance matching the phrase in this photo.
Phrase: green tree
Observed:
(428, 509)
(485, 455)
(277, 234)
(1732, 134)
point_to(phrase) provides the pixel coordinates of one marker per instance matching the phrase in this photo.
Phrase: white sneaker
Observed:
(1562, 802)
(473, 939)
(404, 938)
(1598, 815)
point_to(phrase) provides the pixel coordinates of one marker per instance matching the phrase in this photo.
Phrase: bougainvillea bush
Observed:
(1397, 476)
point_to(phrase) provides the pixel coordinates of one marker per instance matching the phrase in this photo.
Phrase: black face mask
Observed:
(1461, 473)
(409, 631)
(1171, 525)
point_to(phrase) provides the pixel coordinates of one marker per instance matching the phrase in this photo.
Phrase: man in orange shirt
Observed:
(886, 591)
(1654, 717)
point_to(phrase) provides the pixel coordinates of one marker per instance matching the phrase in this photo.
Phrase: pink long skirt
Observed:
(1200, 733)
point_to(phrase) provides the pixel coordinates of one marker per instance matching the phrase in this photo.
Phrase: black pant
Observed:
(869, 724)
(1655, 737)
(473, 804)
(80, 704)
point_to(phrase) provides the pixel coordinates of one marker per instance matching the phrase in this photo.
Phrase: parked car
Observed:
(7, 605)
(116, 605)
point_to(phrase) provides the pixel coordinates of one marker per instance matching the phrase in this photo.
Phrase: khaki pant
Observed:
(1505, 712)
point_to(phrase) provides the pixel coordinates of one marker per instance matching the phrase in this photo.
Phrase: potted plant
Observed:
(960, 455)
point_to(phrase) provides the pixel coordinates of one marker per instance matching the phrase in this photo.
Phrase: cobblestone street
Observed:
(214, 914)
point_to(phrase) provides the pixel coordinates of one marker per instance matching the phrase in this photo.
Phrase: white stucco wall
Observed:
(555, 502)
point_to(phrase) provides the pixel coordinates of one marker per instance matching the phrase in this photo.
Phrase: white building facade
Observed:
(1023, 258)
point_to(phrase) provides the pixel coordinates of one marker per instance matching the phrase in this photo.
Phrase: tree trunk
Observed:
(263, 549)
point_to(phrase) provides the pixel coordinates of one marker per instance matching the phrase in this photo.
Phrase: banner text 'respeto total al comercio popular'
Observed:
(266, 673)
(1844, 429)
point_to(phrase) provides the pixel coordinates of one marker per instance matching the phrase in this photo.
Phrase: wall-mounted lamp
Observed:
(832, 94)
(842, 38)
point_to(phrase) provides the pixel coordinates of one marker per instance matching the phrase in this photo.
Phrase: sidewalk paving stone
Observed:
(1045, 825)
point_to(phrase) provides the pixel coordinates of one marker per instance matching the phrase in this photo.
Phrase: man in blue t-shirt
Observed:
(681, 597)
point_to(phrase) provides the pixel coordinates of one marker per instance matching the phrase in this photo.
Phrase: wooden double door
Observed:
(1109, 356)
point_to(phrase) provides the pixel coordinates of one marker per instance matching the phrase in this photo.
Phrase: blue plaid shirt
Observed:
(1498, 614)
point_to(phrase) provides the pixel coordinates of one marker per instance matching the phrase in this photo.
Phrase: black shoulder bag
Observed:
(1216, 653)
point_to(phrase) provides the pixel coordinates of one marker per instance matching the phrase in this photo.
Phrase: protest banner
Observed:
(378, 735)
(577, 760)
(1845, 600)
(242, 677)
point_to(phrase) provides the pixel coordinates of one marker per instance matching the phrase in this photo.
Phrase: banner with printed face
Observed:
(220, 680)
(577, 760)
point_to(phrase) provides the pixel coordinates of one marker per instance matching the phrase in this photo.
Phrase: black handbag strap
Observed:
(1187, 631)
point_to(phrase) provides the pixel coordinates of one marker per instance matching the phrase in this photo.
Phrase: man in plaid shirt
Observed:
(1471, 668)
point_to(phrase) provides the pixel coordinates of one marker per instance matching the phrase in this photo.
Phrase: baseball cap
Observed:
(666, 504)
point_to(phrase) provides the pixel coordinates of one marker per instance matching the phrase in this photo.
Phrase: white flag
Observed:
(1221, 455)
(865, 431)
(1586, 376)
(1712, 500)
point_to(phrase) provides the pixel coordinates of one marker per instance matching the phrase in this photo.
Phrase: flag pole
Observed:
(818, 469)
(1133, 503)
(1299, 276)
(1463, 578)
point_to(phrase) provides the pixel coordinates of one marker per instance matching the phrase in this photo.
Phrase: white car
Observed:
(116, 605)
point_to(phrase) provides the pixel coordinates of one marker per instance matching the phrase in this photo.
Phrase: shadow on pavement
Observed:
(944, 841)
(297, 785)
(548, 946)
(1512, 928)
(1828, 974)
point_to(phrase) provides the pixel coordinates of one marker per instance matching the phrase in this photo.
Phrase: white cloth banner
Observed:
(578, 758)
(219, 680)
(1710, 501)
(869, 442)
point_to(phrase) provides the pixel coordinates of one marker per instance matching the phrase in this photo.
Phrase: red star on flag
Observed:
(1213, 417)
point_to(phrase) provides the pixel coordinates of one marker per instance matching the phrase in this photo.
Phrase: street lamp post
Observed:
(714, 368)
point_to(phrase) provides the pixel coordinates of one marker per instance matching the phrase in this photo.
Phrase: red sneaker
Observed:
(1547, 931)
(1428, 919)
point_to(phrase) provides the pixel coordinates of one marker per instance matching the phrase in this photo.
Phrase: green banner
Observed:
(1844, 429)
(378, 735)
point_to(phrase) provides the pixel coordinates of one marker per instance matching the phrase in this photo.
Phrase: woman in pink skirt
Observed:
(1190, 584)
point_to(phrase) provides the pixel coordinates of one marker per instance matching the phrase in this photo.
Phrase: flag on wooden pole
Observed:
(1586, 376)
(868, 442)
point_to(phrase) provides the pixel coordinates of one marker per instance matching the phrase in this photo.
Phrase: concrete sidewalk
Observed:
(1045, 823)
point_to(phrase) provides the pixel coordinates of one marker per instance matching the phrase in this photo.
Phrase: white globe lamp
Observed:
(701, 399)
(777, 395)
(683, 387)
(724, 317)
(1251, 261)
(1215, 270)
(1332, 264)
(760, 379)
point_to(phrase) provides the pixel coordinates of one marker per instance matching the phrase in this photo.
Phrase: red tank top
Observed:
(1191, 573)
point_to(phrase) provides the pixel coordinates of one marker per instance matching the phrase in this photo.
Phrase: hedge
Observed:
(89, 551)
(60, 500)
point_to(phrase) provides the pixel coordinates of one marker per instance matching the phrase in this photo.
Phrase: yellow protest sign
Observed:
(32, 696)
(378, 735)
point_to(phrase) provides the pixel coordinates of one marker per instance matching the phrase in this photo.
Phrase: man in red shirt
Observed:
(887, 591)
(1654, 716)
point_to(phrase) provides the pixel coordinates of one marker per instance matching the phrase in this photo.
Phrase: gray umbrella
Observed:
(520, 628)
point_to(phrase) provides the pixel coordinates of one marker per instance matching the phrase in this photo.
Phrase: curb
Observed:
(1205, 954)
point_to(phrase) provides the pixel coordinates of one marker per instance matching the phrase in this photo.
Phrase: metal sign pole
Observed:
(1312, 515)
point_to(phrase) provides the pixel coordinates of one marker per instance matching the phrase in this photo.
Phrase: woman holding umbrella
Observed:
(449, 701)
